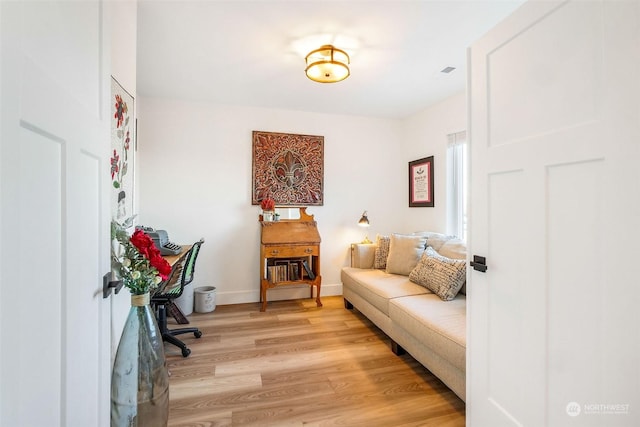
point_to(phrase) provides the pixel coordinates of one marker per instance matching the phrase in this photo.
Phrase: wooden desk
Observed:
(176, 268)
(173, 259)
(290, 255)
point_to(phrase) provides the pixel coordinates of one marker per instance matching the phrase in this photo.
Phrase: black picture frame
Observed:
(421, 183)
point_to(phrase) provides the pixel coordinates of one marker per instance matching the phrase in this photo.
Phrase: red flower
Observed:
(114, 163)
(160, 264)
(127, 140)
(121, 109)
(148, 249)
(142, 242)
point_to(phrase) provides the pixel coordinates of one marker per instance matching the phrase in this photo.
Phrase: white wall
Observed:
(194, 175)
(425, 134)
(123, 24)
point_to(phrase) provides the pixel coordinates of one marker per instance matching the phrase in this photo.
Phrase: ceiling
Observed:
(251, 53)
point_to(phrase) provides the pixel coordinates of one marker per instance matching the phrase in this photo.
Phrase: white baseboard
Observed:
(277, 294)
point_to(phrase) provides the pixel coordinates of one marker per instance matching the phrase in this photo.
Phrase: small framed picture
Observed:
(421, 183)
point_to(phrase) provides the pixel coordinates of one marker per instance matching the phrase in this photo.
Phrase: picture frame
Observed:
(421, 183)
(288, 168)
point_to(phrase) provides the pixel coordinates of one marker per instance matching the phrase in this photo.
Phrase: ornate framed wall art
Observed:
(421, 183)
(122, 152)
(288, 168)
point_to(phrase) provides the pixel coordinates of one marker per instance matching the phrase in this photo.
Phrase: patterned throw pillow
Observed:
(382, 251)
(442, 276)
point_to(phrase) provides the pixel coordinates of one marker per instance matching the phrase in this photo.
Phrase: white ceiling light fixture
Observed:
(327, 64)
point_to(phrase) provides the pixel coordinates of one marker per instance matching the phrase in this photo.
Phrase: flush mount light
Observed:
(327, 64)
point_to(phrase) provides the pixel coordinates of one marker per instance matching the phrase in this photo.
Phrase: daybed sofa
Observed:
(413, 288)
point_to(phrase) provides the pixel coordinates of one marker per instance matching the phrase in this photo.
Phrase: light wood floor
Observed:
(296, 365)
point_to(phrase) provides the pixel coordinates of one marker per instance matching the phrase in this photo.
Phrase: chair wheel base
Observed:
(186, 352)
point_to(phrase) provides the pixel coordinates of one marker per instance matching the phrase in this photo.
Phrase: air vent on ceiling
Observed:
(448, 70)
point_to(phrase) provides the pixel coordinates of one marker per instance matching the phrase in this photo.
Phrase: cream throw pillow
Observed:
(454, 249)
(441, 275)
(435, 240)
(404, 253)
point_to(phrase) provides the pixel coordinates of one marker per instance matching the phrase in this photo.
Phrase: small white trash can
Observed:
(205, 299)
(185, 301)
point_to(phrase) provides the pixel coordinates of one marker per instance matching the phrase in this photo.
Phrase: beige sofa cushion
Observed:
(430, 320)
(404, 253)
(378, 287)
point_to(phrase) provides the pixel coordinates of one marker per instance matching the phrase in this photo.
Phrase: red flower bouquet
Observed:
(137, 260)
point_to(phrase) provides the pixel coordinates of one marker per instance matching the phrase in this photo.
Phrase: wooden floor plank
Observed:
(297, 364)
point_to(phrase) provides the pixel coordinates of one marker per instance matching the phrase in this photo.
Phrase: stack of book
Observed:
(289, 270)
(277, 273)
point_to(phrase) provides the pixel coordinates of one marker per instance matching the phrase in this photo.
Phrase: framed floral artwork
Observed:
(122, 152)
(289, 168)
(421, 183)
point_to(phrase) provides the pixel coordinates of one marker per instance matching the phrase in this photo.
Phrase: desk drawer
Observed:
(290, 251)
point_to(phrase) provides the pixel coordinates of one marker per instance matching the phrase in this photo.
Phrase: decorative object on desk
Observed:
(122, 151)
(289, 168)
(421, 183)
(139, 380)
(268, 205)
(364, 222)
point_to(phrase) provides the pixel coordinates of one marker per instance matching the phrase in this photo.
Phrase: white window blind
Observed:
(457, 184)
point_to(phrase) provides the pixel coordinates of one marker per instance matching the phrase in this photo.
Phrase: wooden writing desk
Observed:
(290, 255)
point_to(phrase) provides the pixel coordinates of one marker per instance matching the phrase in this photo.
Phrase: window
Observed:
(457, 184)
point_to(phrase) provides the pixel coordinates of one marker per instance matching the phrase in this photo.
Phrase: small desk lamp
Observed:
(364, 222)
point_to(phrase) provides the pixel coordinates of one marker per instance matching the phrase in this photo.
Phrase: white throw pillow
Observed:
(435, 240)
(454, 249)
(404, 253)
(441, 275)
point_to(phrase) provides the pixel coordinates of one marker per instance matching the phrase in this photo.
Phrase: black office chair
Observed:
(162, 300)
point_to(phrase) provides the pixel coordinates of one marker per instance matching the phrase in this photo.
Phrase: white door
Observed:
(55, 350)
(554, 324)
